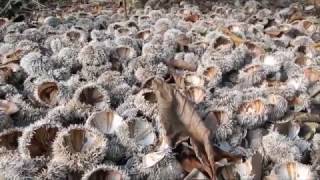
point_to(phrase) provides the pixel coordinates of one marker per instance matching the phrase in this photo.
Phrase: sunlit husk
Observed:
(105, 172)
(212, 75)
(107, 122)
(253, 113)
(37, 139)
(79, 147)
(291, 170)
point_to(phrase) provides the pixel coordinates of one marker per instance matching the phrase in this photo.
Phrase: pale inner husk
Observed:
(106, 122)
(106, 175)
(252, 107)
(141, 132)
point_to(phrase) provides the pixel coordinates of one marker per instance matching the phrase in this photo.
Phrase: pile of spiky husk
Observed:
(78, 101)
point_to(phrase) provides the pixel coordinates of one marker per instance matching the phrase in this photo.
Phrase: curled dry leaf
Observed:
(8, 107)
(180, 120)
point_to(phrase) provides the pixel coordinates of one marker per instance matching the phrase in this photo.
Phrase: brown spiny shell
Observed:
(47, 93)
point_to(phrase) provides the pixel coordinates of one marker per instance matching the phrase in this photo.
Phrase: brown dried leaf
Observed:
(179, 119)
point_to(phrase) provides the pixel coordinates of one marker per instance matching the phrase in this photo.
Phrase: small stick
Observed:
(125, 8)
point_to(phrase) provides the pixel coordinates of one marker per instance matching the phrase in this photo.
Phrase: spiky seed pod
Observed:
(279, 106)
(279, 148)
(54, 43)
(299, 102)
(146, 102)
(167, 168)
(212, 75)
(52, 21)
(222, 43)
(37, 139)
(137, 132)
(113, 27)
(107, 122)
(67, 57)
(252, 75)
(314, 92)
(14, 167)
(128, 42)
(47, 93)
(315, 150)
(198, 47)
(85, 24)
(94, 54)
(66, 115)
(27, 113)
(291, 170)
(91, 95)
(26, 46)
(9, 139)
(105, 172)
(123, 54)
(231, 98)
(59, 172)
(223, 118)
(162, 25)
(91, 73)
(33, 34)
(144, 35)
(101, 35)
(35, 64)
(75, 37)
(122, 32)
(253, 113)
(79, 147)
(127, 109)
(4, 22)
